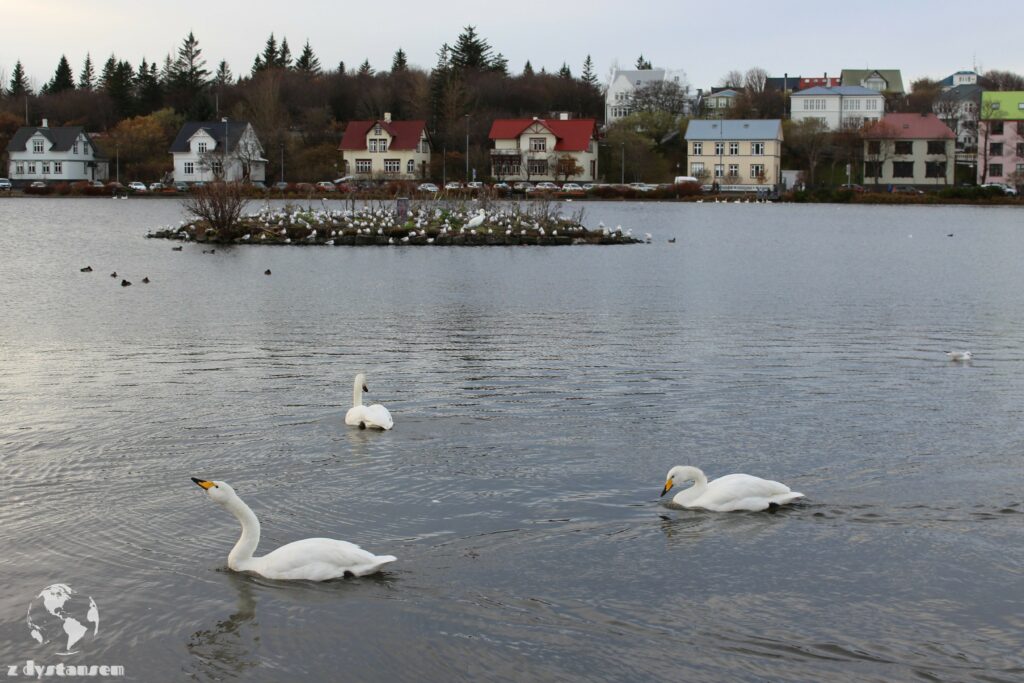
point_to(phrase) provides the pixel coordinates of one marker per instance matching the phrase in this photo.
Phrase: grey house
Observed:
(59, 154)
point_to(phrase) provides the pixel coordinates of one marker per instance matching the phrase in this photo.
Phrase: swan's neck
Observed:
(688, 495)
(243, 551)
(357, 393)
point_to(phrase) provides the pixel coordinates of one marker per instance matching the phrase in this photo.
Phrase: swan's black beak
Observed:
(668, 485)
(203, 483)
(365, 388)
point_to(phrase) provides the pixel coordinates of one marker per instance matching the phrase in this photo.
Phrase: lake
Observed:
(540, 395)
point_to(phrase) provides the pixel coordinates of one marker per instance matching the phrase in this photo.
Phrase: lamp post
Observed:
(622, 166)
(117, 164)
(467, 148)
(224, 153)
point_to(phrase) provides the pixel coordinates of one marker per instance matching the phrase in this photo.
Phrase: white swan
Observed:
(728, 493)
(311, 559)
(959, 355)
(478, 221)
(366, 416)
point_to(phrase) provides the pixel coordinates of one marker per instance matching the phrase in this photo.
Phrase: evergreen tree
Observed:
(588, 76)
(186, 88)
(269, 58)
(149, 94)
(223, 76)
(365, 69)
(284, 59)
(257, 65)
(120, 86)
(63, 79)
(528, 68)
(642, 64)
(167, 71)
(19, 82)
(500, 64)
(565, 72)
(470, 51)
(307, 61)
(341, 68)
(399, 63)
(87, 79)
(108, 72)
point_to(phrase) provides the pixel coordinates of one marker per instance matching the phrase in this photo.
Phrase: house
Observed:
(618, 99)
(879, 80)
(958, 108)
(844, 106)
(1001, 137)
(909, 149)
(544, 149)
(58, 154)
(825, 81)
(718, 102)
(959, 78)
(397, 150)
(218, 150)
(787, 83)
(735, 154)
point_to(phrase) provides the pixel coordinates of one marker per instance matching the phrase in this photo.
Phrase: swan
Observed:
(959, 355)
(311, 559)
(366, 416)
(478, 221)
(728, 493)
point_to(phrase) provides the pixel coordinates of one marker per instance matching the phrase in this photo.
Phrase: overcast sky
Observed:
(706, 39)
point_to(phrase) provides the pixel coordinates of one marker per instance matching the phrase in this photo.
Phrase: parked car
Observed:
(572, 187)
(587, 187)
(96, 183)
(258, 185)
(38, 183)
(5, 184)
(137, 186)
(547, 186)
(523, 185)
(1007, 189)
(852, 187)
(907, 189)
(326, 186)
(181, 187)
(475, 185)
(344, 179)
(281, 186)
(427, 187)
(156, 187)
(642, 187)
(502, 187)
(453, 185)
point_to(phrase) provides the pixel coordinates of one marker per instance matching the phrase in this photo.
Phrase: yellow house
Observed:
(386, 149)
(735, 154)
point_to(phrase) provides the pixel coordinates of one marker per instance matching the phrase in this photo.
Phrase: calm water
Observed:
(540, 396)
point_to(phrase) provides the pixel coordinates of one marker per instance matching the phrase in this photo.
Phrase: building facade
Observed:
(839, 107)
(618, 99)
(204, 151)
(1001, 138)
(544, 149)
(735, 154)
(386, 149)
(909, 149)
(58, 154)
(879, 80)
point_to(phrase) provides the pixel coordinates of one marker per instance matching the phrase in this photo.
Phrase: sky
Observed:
(705, 39)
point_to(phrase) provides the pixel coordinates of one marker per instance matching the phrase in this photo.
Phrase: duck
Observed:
(959, 356)
(125, 283)
(311, 559)
(376, 415)
(728, 493)
(87, 269)
(114, 274)
(671, 240)
(145, 280)
(176, 248)
(267, 271)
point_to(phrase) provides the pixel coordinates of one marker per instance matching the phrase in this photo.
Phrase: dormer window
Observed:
(37, 146)
(376, 129)
(201, 147)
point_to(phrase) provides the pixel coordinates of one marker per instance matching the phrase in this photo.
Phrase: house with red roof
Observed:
(909, 149)
(386, 149)
(544, 149)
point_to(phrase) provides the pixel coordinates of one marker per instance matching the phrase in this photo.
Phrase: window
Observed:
(392, 165)
(719, 171)
(217, 167)
(757, 149)
(382, 144)
(376, 129)
(190, 168)
(903, 169)
(698, 148)
(995, 170)
(871, 104)
(719, 148)
(935, 169)
(424, 147)
(697, 169)
(904, 147)
(936, 147)
(995, 106)
(410, 167)
(872, 169)
(20, 168)
(734, 170)
(874, 146)
(1020, 149)
(756, 171)
(1020, 105)
(996, 128)
(32, 168)
(363, 165)
(58, 167)
(1020, 169)
(201, 147)
(538, 167)
(46, 167)
(37, 146)
(538, 144)
(734, 148)
(504, 169)
(74, 148)
(995, 149)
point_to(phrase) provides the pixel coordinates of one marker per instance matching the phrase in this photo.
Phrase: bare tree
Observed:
(755, 79)
(811, 137)
(880, 138)
(220, 205)
(733, 79)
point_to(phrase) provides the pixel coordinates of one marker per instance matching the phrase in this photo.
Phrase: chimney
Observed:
(46, 123)
(387, 117)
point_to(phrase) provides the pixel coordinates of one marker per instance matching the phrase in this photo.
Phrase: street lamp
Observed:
(622, 166)
(282, 162)
(467, 148)
(224, 153)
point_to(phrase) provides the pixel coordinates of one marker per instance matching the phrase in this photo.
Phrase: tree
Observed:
(924, 92)
(307, 62)
(62, 80)
(365, 69)
(223, 77)
(270, 57)
(470, 52)
(284, 59)
(1002, 80)
(565, 72)
(499, 65)
(399, 63)
(528, 68)
(733, 79)
(811, 138)
(987, 115)
(566, 167)
(588, 76)
(880, 138)
(149, 93)
(642, 64)
(665, 96)
(119, 85)
(19, 82)
(755, 79)
(189, 79)
(87, 79)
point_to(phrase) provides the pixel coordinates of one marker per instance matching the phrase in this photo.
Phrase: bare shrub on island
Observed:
(219, 205)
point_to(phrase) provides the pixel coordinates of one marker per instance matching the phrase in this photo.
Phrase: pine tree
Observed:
(565, 72)
(528, 68)
(470, 52)
(588, 76)
(269, 58)
(341, 68)
(223, 76)
(63, 79)
(87, 79)
(365, 69)
(167, 71)
(399, 62)
(108, 72)
(500, 64)
(19, 82)
(186, 88)
(642, 64)
(284, 59)
(307, 61)
(120, 86)
(149, 94)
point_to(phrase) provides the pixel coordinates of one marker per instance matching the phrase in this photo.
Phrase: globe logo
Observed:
(59, 615)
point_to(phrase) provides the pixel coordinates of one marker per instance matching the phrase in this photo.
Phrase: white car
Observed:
(547, 185)
(1007, 189)
(572, 187)
(326, 186)
(5, 184)
(156, 187)
(427, 187)
(453, 185)
(523, 185)
(137, 186)
(475, 185)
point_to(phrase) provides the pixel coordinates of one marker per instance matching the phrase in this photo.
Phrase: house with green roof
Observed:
(1001, 137)
(881, 80)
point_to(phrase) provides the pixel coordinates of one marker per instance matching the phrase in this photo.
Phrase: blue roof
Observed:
(734, 129)
(845, 90)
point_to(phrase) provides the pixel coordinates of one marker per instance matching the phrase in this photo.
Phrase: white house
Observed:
(199, 152)
(618, 99)
(59, 154)
(844, 106)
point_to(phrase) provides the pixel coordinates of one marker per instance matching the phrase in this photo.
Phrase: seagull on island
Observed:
(478, 220)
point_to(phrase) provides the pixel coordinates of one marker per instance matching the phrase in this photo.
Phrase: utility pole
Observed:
(622, 166)
(467, 148)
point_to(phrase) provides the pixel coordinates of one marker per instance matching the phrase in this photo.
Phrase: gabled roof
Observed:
(215, 129)
(404, 134)
(844, 90)
(61, 137)
(642, 75)
(948, 80)
(734, 129)
(892, 77)
(909, 126)
(962, 93)
(1010, 105)
(573, 135)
